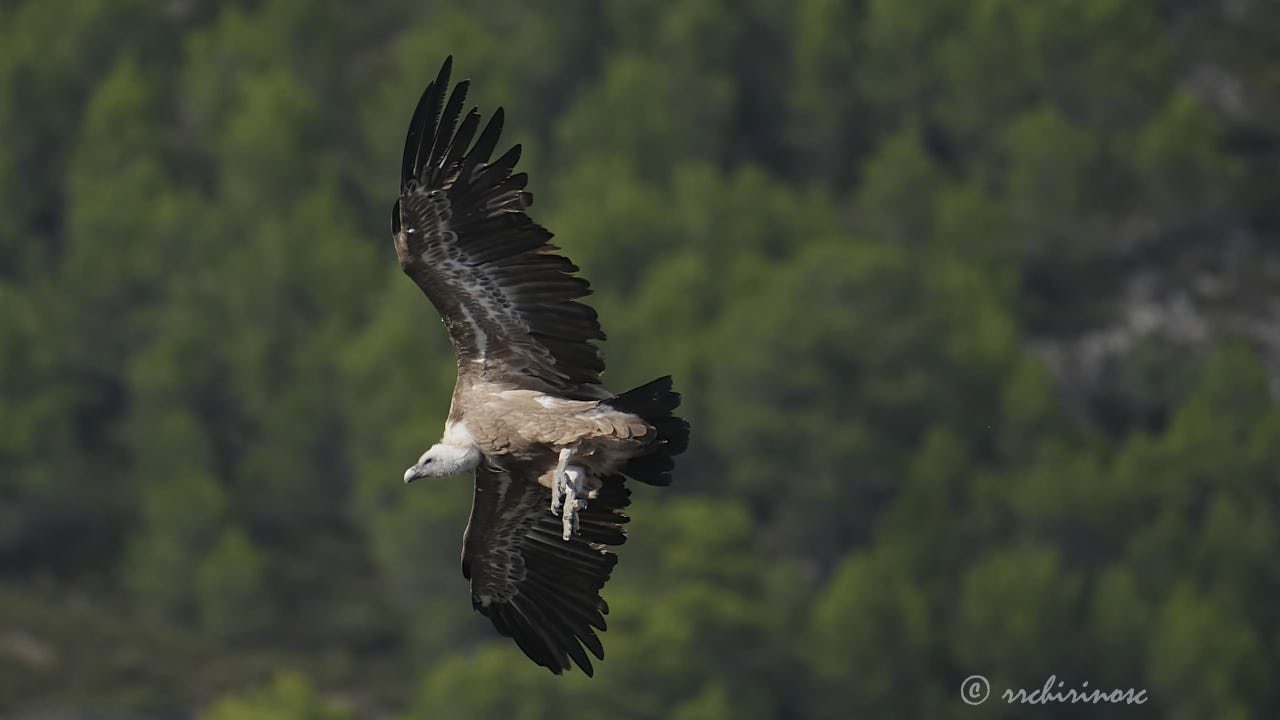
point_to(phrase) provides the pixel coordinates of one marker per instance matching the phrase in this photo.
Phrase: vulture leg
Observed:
(559, 481)
(572, 504)
(568, 484)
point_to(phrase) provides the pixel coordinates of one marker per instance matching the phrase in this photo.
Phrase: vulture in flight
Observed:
(550, 448)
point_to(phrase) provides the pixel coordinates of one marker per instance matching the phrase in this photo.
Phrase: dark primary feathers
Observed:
(508, 301)
(538, 589)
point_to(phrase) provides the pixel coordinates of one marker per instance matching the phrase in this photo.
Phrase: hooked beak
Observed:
(413, 473)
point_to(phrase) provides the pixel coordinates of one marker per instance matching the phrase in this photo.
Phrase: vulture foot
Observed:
(568, 494)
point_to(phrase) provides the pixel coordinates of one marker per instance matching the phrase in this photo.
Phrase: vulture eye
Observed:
(395, 218)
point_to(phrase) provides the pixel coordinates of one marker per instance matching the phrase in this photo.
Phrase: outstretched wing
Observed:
(461, 233)
(538, 589)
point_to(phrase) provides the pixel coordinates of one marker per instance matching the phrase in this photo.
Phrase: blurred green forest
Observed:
(975, 306)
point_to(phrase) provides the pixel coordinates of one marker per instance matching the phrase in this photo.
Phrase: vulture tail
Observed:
(654, 402)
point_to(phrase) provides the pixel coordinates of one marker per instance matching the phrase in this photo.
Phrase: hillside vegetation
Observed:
(974, 306)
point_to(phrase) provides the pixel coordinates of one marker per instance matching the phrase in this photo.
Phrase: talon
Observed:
(560, 482)
(569, 516)
(566, 487)
(567, 524)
